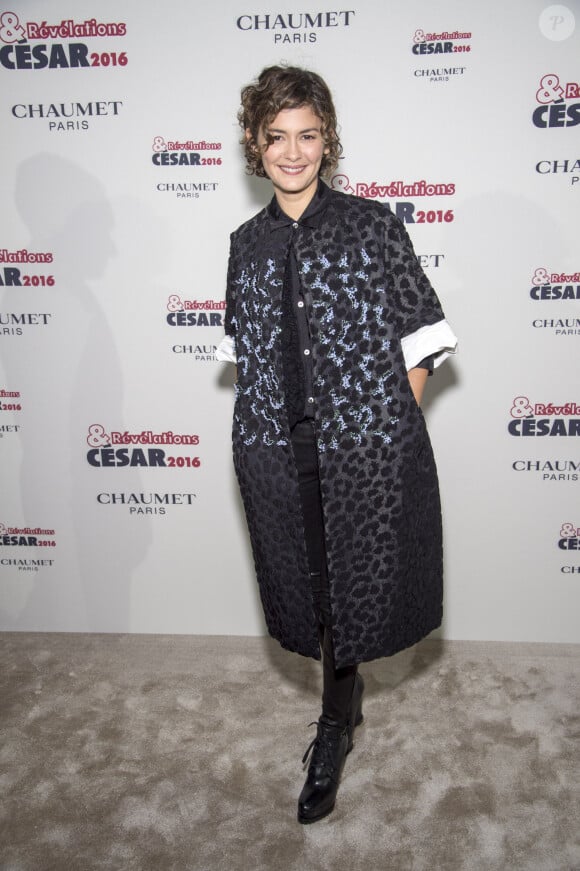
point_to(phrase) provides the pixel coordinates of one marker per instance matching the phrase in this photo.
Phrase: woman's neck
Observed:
(295, 204)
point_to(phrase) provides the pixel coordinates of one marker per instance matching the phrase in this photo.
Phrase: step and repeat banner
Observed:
(122, 177)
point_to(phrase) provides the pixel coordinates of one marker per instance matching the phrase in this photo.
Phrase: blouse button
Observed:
(300, 303)
(295, 225)
(306, 352)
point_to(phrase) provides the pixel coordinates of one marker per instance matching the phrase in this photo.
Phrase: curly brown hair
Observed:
(285, 87)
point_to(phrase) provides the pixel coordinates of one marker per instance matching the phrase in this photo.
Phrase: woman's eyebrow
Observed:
(307, 130)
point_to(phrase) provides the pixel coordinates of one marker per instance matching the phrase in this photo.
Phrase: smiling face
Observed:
(292, 160)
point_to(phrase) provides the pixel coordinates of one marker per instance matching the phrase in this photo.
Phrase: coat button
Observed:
(295, 225)
(300, 303)
(306, 352)
(311, 399)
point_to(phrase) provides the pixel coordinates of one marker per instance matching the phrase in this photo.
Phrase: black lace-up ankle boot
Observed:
(329, 750)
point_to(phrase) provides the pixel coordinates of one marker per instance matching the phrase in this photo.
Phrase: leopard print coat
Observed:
(364, 290)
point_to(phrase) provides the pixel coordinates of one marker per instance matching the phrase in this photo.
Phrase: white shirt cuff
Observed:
(436, 340)
(226, 350)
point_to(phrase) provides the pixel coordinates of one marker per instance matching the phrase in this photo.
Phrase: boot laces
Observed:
(323, 745)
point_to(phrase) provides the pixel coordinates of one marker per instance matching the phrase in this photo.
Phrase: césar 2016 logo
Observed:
(404, 210)
(137, 449)
(26, 536)
(555, 285)
(27, 47)
(14, 276)
(445, 42)
(559, 104)
(194, 313)
(543, 419)
(10, 400)
(569, 537)
(172, 152)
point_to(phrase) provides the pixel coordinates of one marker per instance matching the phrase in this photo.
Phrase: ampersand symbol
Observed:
(159, 144)
(419, 36)
(550, 89)
(521, 407)
(97, 436)
(174, 303)
(341, 182)
(10, 29)
(568, 530)
(540, 276)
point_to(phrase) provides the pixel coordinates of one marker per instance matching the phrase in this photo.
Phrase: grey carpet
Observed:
(175, 752)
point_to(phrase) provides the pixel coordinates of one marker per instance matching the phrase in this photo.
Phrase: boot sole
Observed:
(305, 820)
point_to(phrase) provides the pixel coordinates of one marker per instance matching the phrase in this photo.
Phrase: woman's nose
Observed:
(292, 151)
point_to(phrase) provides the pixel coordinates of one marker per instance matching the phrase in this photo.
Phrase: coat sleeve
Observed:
(226, 350)
(421, 324)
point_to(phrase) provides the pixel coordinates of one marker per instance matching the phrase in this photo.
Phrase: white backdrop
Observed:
(121, 180)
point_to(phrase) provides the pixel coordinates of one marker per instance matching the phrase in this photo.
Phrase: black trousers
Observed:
(338, 684)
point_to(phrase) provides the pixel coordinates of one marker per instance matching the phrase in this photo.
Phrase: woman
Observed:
(334, 329)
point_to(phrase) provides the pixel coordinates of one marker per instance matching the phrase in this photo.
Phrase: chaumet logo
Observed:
(295, 27)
